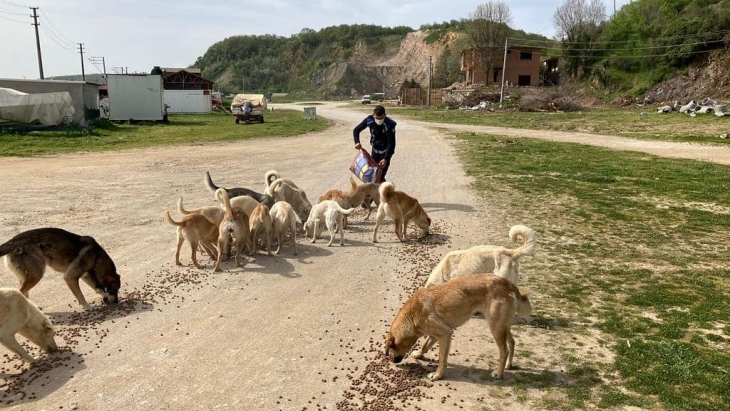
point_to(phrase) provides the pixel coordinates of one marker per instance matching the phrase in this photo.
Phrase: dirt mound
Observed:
(709, 77)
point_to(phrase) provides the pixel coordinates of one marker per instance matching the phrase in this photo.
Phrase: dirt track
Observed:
(284, 332)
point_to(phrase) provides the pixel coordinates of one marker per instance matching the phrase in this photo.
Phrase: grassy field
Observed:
(626, 122)
(182, 129)
(634, 248)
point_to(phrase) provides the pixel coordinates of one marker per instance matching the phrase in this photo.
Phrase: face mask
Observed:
(380, 121)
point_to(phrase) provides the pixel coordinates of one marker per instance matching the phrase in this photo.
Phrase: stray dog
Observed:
(246, 203)
(437, 311)
(284, 219)
(402, 208)
(283, 191)
(199, 231)
(273, 175)
(260, 221)
(213, 213)
(19, 315)
(332, 214)
(237, 192)
(503, 262)
(358, 194)
(77, 257)
(234, 225)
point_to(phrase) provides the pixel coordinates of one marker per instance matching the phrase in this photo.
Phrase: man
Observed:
(382, 137)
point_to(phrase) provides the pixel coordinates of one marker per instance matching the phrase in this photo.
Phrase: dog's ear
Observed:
(389, 343)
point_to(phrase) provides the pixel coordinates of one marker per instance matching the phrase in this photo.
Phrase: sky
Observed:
(141, 34)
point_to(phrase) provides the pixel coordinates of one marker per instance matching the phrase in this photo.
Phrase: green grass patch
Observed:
(626, 122)
(635, 241)
(181, 129)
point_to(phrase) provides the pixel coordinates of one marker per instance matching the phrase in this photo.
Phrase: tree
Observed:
(578, 24)
(487, 29)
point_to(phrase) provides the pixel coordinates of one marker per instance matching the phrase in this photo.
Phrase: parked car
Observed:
(365, 99)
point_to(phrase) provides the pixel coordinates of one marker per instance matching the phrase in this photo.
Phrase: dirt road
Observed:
(284, 332)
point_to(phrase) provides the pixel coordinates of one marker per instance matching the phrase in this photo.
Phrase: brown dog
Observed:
(260, 223)
(402, 208)
(77, 257)
(199, 231)
(235, 226)
(437, 311)
(358, 194)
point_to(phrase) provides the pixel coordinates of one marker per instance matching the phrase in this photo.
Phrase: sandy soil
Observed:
(284, 332)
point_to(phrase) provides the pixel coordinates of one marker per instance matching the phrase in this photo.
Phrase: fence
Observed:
(419, 97)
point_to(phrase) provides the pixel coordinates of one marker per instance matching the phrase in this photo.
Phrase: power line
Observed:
(10, 3)
(55, 40)
(17, 21)
(633, 48)
(55, 30)
(632, 57)
(707, 34)
(11, 12)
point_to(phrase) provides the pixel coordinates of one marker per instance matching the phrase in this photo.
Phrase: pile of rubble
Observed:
(693, 108)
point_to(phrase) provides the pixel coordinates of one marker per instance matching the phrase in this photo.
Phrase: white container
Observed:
(188, 101)
(135, 97)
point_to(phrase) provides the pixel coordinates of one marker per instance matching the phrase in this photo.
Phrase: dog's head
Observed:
(397, 348)
(423, 221)
(43, 337)
(108, 280)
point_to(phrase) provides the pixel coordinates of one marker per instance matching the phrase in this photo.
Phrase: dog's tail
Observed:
(271, 176)
(524, 308)
(386, 191)
(180, 208)
(7, 248)
(529, 238)
(222, 196)
(353, 184)
(209, 182)
(274, 186)
(171, 221)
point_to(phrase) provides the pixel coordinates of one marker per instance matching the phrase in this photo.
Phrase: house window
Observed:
(523, 81)
(525, 55)
(497, 76)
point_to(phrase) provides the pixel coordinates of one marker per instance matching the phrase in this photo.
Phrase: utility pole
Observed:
(95, 61)
(504, 71)
(243, 84)
(428, 96)
(81, 50)
(37, 39)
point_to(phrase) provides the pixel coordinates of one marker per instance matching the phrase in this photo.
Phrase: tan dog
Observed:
(245, 203)
(198, 231)
(260, 222)
(213, 213)
(437, 311)
(234, 226)
(77, 257)
(503, 262)
(402, 208)
(358, 194)
(283, 191)
(284, 219)
(19, 315)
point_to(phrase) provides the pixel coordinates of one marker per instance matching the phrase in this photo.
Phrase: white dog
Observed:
(19, 315)
(332, 214)
(499, 260)
(284, 219)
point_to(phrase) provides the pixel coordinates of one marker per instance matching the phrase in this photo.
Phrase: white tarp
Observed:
(48, 109)
(257, 100)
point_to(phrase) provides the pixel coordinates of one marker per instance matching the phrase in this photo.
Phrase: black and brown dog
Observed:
(77, 257)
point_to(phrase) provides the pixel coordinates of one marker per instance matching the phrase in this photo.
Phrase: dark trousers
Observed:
(377, 157)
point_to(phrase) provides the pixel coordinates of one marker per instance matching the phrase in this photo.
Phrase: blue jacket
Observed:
(382, 138)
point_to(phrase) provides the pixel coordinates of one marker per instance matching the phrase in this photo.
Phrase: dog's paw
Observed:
(496, 375)
(417, 355)
(434, 376)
